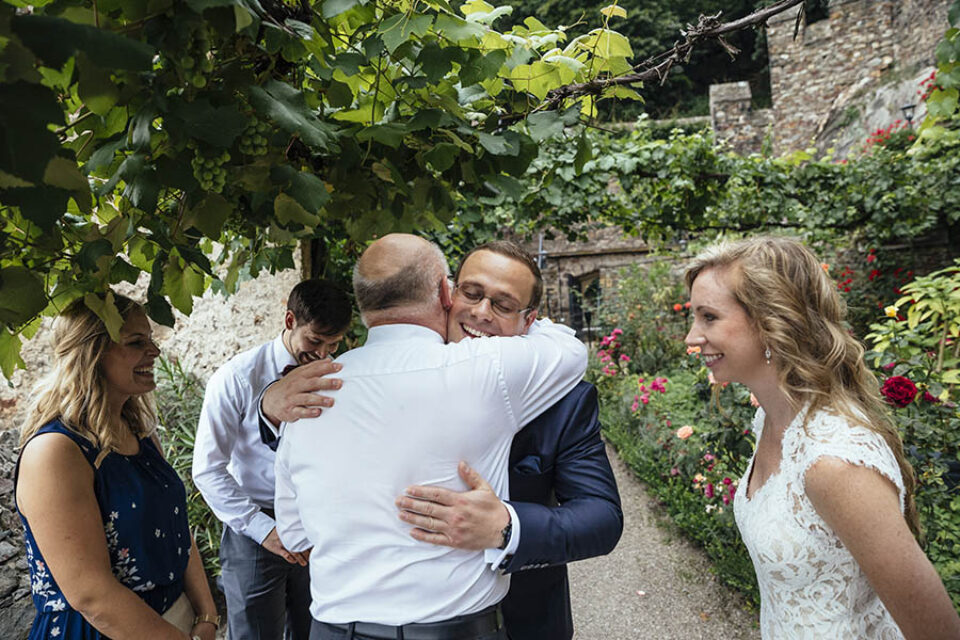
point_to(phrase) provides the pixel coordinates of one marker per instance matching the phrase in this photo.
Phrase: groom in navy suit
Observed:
(564, 502)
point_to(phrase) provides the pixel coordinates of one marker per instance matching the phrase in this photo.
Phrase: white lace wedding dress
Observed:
(810, 585)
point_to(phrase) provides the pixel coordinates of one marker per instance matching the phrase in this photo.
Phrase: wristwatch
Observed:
(206, 617)
(505, 535)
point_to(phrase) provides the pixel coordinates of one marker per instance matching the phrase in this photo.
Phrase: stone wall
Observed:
(570, 265)
(733, 119)
(862, 39)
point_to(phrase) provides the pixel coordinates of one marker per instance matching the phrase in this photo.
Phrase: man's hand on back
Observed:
(472, 520)
(292, 397)
(272, 544)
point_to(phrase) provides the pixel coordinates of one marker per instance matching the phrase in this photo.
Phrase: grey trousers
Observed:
(265, 593)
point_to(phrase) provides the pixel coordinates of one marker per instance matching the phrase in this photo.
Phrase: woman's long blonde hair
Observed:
(799, 316)
(75, 390)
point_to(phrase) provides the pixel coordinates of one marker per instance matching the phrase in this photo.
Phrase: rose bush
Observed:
(899, 390)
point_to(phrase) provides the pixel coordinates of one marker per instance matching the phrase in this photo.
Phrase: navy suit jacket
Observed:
(566, 499)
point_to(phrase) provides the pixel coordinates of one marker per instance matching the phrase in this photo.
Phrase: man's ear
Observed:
(289, 320)
(531, 316)
(446, 295)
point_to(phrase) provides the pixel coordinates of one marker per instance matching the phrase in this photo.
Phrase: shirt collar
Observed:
(281, 357)
(399, 332)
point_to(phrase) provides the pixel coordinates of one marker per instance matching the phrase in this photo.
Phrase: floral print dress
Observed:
(144, 512)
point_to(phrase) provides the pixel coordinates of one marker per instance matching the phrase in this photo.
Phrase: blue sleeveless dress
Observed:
(144, 511)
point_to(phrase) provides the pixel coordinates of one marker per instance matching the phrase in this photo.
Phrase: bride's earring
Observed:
(766, 354)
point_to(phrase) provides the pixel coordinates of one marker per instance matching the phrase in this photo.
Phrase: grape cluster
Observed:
(209, 170)
(197, 62)
(253, 141)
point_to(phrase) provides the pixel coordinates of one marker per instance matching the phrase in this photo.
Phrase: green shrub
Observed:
(179, 399)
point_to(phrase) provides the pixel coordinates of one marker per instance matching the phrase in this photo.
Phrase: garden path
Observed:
(680, 599)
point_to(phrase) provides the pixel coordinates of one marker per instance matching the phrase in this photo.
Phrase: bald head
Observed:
(398, 272)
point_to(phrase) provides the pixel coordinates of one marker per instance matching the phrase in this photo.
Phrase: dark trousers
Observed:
(265, 593)
(431, 631)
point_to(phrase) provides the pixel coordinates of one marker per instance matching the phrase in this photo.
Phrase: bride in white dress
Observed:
(826, 505)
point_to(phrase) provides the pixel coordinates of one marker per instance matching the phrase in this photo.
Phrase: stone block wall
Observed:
(861, 39)
(567, 264)
(734, 121)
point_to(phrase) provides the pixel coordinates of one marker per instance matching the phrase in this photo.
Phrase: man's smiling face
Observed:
(503, 282)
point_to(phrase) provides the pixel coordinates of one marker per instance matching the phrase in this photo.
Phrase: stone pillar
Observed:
(733, 121)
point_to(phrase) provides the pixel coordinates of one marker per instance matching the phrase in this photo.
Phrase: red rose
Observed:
(899, 391)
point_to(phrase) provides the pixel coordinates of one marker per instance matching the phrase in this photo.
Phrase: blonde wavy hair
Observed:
(75, 389)
(799, 316)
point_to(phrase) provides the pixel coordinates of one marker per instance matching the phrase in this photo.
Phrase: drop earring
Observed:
(766, 354)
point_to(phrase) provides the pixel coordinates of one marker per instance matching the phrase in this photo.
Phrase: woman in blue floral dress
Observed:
(104, 514)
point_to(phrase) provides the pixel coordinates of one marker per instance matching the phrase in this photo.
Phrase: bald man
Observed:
(410, 409)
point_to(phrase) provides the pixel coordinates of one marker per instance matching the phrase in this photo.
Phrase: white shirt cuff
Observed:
(498, 557)
(260, 527)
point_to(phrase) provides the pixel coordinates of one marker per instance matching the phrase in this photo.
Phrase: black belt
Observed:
(464, 627)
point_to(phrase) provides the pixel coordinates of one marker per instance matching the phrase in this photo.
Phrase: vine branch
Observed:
(658, 67)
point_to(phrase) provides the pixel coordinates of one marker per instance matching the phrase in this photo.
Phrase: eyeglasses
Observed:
(501, 305)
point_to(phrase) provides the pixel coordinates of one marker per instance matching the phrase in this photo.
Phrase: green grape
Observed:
(198, 81)
(187, 62)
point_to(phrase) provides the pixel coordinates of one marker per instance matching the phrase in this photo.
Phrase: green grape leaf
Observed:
(289, 210)
(64, 173)
(497, 145)
(209, 215)
(219, 126)
(43, 206)
(584, 153)
(181, 284)
(332, 8)
(10, 359)
(123, 271)
(458, 29)
(306, 188)
(95, 87)
(106, 310)
(442, 156)
(388, 134)
(286, 107)
(159, 310)
(54, 40)
(397, 29)
(544, 125)
(22, 295)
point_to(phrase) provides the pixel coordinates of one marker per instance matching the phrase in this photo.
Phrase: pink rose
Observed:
(684, 432)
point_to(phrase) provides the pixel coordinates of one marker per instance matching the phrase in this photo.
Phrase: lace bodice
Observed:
(810, 584)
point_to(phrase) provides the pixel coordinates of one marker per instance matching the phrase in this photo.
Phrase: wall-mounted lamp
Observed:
(908, 110)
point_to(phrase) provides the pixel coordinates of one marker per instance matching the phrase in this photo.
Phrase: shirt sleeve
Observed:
(289, 526)
(269, 434)
(218, 429)
(540, 368)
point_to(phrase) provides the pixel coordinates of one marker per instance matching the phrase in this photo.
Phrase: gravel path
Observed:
(654, 585)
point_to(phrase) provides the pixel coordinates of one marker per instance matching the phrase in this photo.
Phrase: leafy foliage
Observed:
(940, 130)
(140, 139)
(653, 26)
(672, 188)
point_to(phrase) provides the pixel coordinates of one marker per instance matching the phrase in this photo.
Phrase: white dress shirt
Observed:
(411, 407)
(232, 468)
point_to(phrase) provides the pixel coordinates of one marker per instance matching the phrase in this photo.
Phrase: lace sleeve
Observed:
(833, 437)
